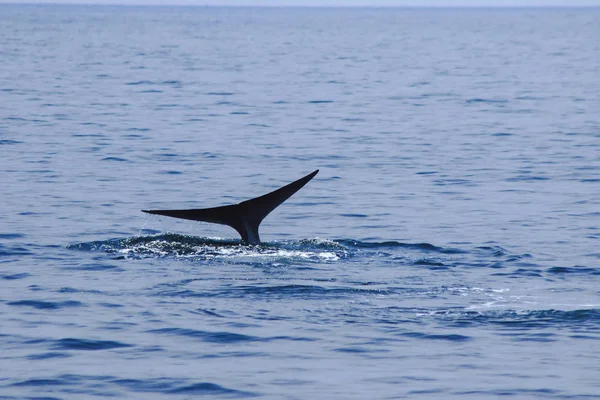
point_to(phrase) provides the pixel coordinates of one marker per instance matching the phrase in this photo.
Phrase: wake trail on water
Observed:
(499, 261)
(315, 250)
(216, 249)
(424, 270)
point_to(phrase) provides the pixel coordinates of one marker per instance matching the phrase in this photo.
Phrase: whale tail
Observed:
(244, 217)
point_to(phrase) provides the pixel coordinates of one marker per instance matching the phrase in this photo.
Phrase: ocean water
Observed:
(448, 248)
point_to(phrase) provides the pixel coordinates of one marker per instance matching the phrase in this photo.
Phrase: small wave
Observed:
(15, 276)
(172, 386)
(13, 251)
(146, 82)
(223, 337)
(532, 272)
(11, 236)
(437, 265)
(48, 355)
(94, 267)
(39, 382)
(87, 344)
(391, 244)
(115, 159)
(46, 305)
(480, 100)
(353, 215)
(274, 292)
(8, 141)
(138, 83)
(526, 178)
(155, 385)
(205, 336)
(525, 319)
(577, 269)
(427, 336)
(205, 388)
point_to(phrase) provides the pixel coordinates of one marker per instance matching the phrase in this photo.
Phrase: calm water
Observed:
(449, 247)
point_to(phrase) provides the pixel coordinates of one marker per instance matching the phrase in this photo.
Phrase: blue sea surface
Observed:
(449, 248)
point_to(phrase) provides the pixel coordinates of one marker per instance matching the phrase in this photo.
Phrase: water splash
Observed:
(215, 249)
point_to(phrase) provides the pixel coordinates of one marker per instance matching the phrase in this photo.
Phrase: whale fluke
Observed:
(244, 217)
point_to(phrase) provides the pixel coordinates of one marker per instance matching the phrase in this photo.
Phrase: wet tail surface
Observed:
(244, 217)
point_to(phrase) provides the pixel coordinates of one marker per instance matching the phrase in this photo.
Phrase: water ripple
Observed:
(172, 386)
(46, 305)
(212, 337)
(87, 344)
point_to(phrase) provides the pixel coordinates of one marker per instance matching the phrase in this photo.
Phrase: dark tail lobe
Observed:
(244, 217)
